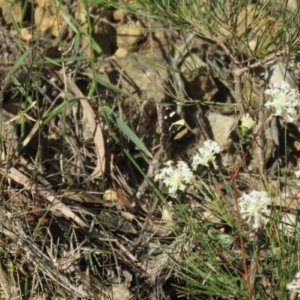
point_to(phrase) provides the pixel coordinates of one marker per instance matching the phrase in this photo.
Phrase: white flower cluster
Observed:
(294, 286)
(284, 100)
(297, 173)
(247, 121)
(175, 178)
(253, 208)
(205, 154)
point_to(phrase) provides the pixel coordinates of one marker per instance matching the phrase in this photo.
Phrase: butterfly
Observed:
(175, 132)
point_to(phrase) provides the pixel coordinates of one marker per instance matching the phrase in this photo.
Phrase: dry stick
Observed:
(7, 287)
(260, 138)
(120, 194)
(57, 206)
(142, 189)
(236, 73)
(153, 165)
(275, 136)
(228, 7)
(260, 63)
(94, 127)
(34, 253)
(237, 78)
(62, 33)
(241, 71)
(239, 93)
(174, 64)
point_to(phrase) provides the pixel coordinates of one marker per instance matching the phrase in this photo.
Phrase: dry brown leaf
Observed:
(56, 205)
(93, 128)
(81, 196)
(26, 35)
(110, 196)
(111, 199)
(89, 116)
(47, 18)
(80, 13)
(9, 9)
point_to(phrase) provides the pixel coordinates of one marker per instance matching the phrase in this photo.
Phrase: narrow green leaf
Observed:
(296, 186)
(19, 62)
(96, 47)
(57, 61)
(58, 110)
(228, 188)
(70, 23)
(127, 131)
(21, 89)
(113, 87)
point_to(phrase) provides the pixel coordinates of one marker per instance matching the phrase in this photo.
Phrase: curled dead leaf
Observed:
(111, 199)
(115, 198)
(11, 10)
(110, 196)
(81, 196)
(26, 35)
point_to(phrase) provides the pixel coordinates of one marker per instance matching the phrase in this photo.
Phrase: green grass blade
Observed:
(19, 62)
(113, 87)
(127, 131)
(58, 110)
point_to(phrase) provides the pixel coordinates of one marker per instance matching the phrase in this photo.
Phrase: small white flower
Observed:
(253, 208)
(204, 154)
(186, 171)
(175, 178)
(294, 286)
(297, 172)
(247, 122)
(284, 100)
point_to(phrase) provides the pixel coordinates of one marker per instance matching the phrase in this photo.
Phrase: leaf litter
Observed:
(77, 220)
